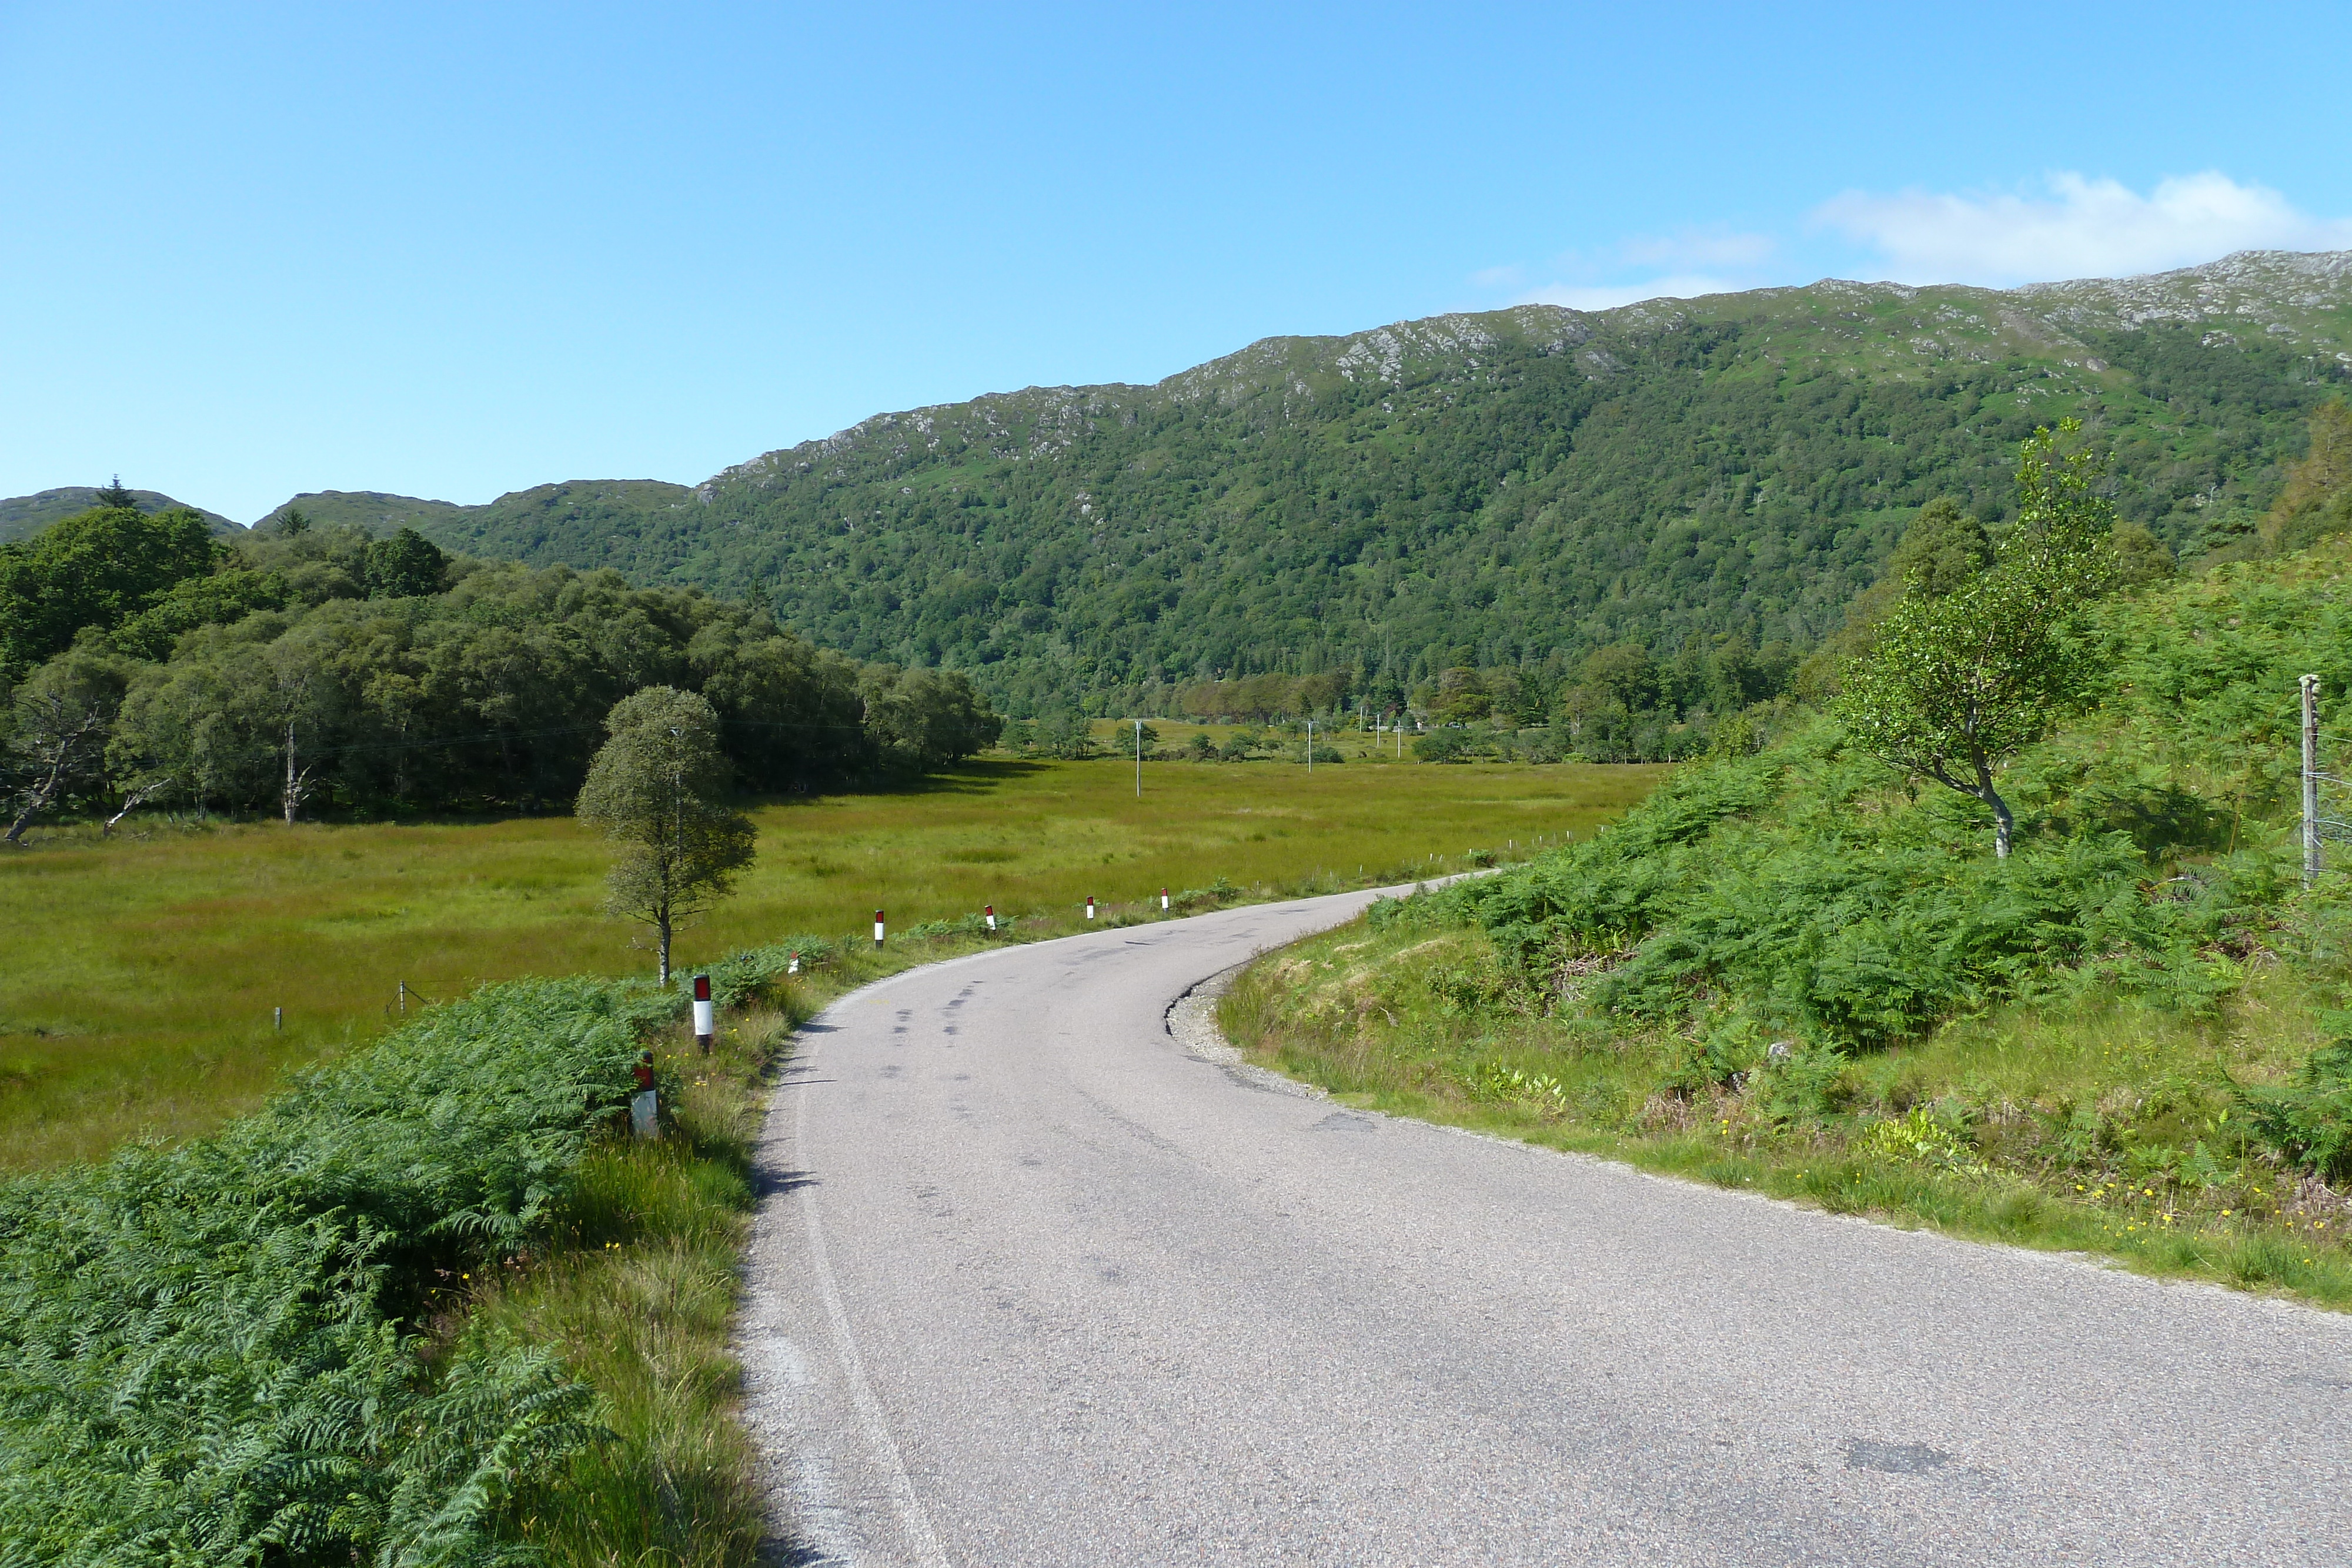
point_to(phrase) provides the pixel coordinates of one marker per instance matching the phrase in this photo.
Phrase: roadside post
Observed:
(642, 1105)
(705, 1024)
(878, 930)
(794, 967)
(991, 911)
(1163, 900)
(2311, 854)
(1091, 906)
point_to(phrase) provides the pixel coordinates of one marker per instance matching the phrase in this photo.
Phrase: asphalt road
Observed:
(1035, 1283)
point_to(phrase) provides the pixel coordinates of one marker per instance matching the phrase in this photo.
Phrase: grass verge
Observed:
(2104, 1127)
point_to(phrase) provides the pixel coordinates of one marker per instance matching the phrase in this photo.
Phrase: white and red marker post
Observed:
(1091, 906)
(877, 928)
(704, 1022)
(794, 966)
(1163, 900)
(990, 910)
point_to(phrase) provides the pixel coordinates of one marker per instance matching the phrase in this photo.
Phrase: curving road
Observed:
(1035, 1283)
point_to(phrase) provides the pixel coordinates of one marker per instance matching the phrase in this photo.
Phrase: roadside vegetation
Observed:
(430, 1304)
(1806, 970)
(433, 1304)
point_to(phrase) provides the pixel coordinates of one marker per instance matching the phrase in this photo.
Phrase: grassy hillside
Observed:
(137, 998)
(22, 516)
(1513, 488)
(1801, 972)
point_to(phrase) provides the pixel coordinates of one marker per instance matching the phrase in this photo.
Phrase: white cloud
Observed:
(1609, 296)
(2080, 228)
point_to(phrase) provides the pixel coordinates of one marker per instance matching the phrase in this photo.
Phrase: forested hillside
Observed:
(1515, 489)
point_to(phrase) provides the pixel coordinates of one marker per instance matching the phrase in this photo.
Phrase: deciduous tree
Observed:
(658, 790)
(1956, 683)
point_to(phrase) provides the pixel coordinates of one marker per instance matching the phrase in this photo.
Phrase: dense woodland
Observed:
(1519, 493)
(318, 669)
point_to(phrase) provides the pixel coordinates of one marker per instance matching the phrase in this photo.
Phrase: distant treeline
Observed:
(152, 664)
(1617, 704)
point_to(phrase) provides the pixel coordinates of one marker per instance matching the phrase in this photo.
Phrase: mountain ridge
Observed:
(1510, 487)
(21, 517)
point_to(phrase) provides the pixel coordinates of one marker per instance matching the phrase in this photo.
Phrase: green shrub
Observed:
(211, 1354)
(1446, 746)
(2310, 1121)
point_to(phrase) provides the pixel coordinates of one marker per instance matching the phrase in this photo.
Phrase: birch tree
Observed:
(657, 788)
(1954, 685)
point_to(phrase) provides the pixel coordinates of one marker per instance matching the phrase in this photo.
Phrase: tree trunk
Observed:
(661, 930)
(2003, 825)
(131, 801)
(36, 800)
(293, 783)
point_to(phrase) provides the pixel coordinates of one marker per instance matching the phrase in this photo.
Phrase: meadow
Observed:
(137, 1000)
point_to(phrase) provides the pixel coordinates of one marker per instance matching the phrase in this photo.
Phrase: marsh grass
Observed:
(2104, 1127)
(140, 976)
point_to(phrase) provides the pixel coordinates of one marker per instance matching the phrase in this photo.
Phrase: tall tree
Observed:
(57, 746)
(406, 566)
(1957, 681)
(656, 790)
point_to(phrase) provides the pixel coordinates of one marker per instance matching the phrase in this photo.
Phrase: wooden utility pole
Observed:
(2310, 780)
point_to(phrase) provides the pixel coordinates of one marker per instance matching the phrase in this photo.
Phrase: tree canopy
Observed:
(318, 669)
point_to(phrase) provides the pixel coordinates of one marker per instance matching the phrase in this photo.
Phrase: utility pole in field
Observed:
(1138, 759)
(2310, 780)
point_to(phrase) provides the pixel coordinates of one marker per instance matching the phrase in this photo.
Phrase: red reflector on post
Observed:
(701, 988)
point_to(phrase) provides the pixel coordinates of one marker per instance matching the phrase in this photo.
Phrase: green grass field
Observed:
(136, 999)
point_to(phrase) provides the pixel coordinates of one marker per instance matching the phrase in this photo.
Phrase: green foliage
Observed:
(657, 790)
(2309, 1122)
(98, 569)
(379, 675)
(406, 566)
(1532, 485)
(1920, 1137)
(2316, 501)
(210, 1358)
(1443, 745)
(53, 744)
(1825, 899)
(1969, 667)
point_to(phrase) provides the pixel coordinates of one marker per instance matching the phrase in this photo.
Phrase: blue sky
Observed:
(451, 251)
